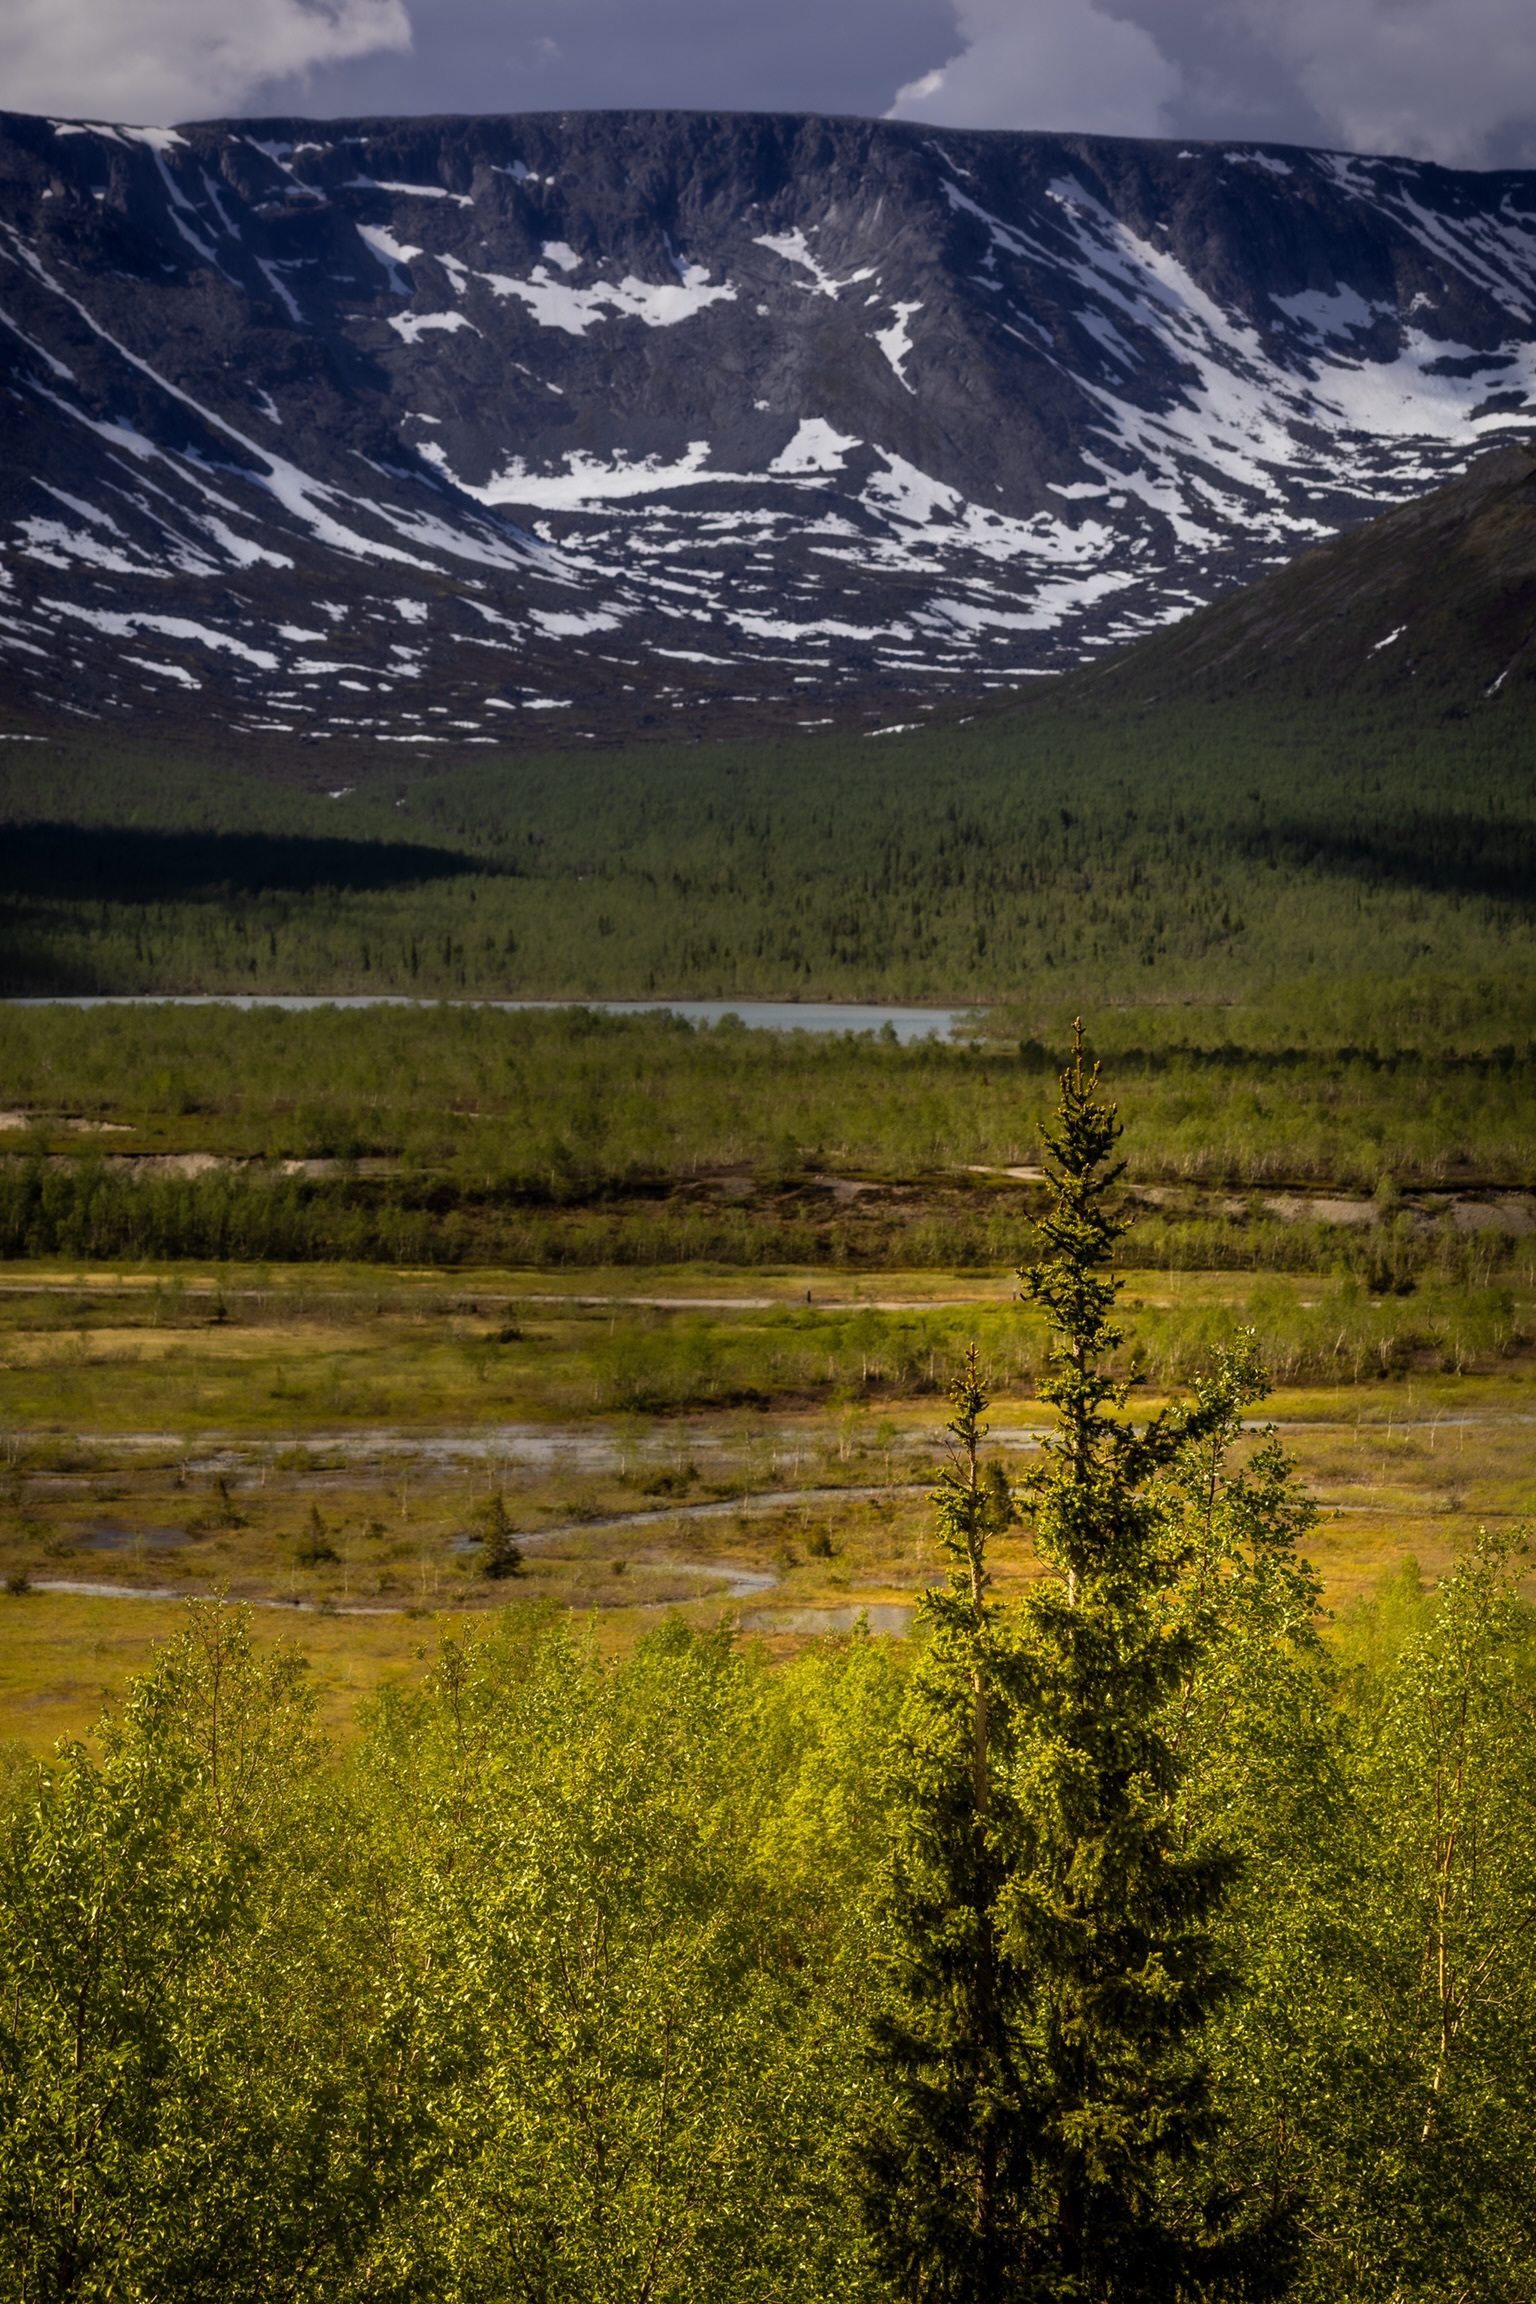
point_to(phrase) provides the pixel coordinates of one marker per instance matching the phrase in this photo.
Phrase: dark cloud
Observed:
(1447, 80)
(559, 55)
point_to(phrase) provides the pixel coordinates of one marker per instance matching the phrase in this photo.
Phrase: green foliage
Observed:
(557, 1985)
(314, 1547)
(1437, 2017)
(623, 2007)
(500, 1555)
(1261, 1752)
(174, 2119)
(1378, 2063)
(547, 1994)
(1112, 1916)
(1053, 1915)
(1372, 1633)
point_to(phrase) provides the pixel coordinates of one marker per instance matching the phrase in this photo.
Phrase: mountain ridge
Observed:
(482, 429)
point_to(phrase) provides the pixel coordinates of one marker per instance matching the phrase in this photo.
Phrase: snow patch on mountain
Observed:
(816, 447)
(795, 249)
(393, 254)
(662, 304)
(414, 325)
(896, 341)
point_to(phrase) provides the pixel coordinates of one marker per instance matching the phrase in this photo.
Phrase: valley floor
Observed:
(746, 1446)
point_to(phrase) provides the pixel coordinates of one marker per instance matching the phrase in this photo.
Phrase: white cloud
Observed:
(162, 60)
(1446, 80)
(1437, 79)
(1046, 64)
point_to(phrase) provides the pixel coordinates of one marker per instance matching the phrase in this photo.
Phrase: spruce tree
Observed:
(1052, 1959)
(501, 1554)
(1110, 1913)
(940, 2170)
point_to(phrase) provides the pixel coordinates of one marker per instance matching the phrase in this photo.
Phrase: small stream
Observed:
(760, 1500)
(892, 1620)
(726, 1579)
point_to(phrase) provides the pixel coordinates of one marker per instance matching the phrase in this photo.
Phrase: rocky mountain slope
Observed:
(462, 430)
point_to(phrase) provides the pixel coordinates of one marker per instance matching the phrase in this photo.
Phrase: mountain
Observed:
(1432, 605)
(478, 430)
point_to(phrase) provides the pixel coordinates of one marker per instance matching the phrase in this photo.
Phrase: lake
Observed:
(907, 1024)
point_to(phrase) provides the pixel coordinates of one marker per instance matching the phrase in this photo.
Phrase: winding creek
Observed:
(726, 1578)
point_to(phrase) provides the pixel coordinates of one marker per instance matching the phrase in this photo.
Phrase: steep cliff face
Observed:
(470, 428)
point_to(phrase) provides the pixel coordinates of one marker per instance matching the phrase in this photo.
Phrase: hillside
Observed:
(1426, 610)
(493, 431)
(1264, 795)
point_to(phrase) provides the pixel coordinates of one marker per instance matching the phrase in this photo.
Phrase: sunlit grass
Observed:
(322, 1441)
(65, 1657)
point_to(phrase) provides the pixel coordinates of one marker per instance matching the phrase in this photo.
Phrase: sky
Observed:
(1446, 80)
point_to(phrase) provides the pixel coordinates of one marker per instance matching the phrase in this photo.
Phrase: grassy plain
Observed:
(328, 1443)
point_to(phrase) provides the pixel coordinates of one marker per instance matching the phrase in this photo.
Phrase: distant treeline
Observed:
(573, 1105)
(1438, 1283)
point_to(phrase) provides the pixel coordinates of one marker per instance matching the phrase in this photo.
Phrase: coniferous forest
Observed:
(1129, 1934)
(1074, 844)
